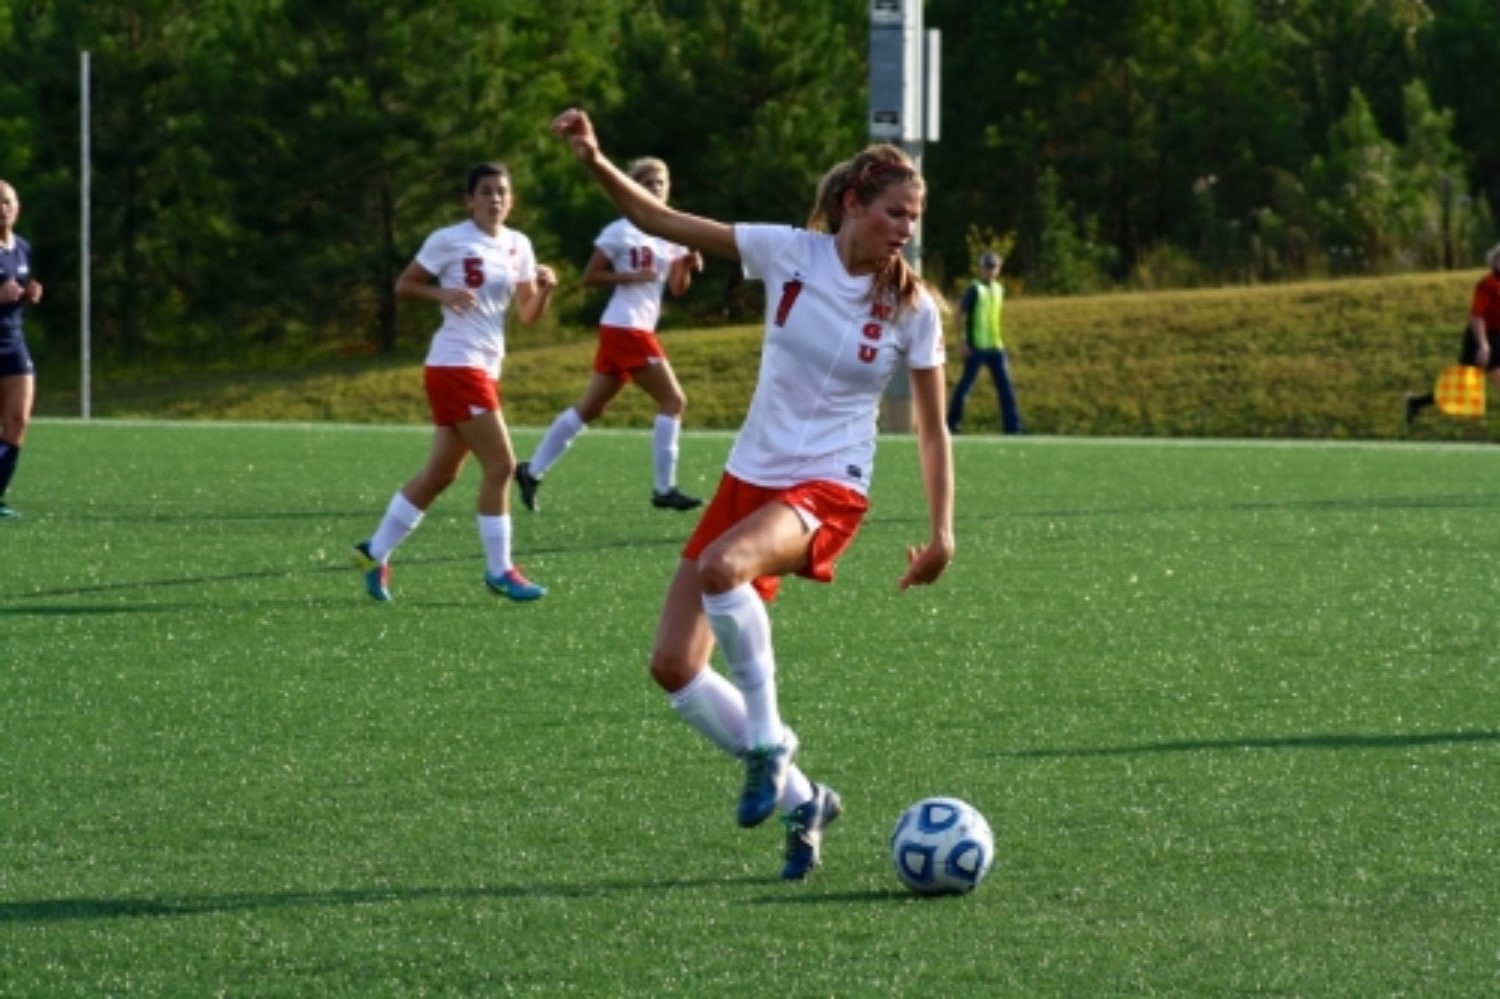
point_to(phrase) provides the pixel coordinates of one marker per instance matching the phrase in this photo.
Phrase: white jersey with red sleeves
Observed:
(829, 351)
(636, 306)
(465, 256)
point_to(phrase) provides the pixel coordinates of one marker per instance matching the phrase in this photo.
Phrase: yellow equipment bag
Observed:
(1460, 391)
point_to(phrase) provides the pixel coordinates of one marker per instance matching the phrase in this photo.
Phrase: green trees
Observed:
(263, 168)
(1206, 139)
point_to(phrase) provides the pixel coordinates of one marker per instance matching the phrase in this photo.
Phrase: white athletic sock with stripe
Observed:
(558, 438)
(712, 705)
(401, 518)
(742, 628)
(494, 532)
(664, 433)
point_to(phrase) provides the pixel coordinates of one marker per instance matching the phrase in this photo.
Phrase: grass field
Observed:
(1230, 708)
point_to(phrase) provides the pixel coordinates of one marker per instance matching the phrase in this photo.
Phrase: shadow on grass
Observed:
(60, 910)
(1345, 505)
(146, 585)
(1279, 742)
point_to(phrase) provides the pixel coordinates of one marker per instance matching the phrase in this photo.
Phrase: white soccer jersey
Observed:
(828, 353)
(465, 256)
(636, 306)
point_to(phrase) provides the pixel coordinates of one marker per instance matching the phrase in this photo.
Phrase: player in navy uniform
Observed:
(18, 289)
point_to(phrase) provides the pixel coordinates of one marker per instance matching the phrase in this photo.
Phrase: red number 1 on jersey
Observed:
(789, 293)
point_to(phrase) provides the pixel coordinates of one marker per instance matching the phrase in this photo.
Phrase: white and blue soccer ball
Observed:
(942, 846)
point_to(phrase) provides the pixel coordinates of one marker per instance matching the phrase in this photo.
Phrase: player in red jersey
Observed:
(1480, 343)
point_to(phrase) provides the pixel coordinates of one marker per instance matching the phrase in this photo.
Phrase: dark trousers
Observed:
(999, 367)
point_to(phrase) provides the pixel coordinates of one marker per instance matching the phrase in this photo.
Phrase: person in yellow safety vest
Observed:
(983, 346)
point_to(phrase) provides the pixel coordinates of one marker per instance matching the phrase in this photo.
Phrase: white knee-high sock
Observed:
(664, 433)
(742, 628)
(558, 438)
(494, 534)
(401, 518)
(713, 706)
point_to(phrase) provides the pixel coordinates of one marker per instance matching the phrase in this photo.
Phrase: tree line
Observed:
(262, 169)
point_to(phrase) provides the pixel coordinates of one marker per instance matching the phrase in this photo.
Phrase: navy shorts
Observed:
(15, 359)
(1467, 350)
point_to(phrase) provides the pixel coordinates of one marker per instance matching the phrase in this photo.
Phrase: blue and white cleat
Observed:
(512, 584)
(377, 573)
(804, 832)
(765, 778)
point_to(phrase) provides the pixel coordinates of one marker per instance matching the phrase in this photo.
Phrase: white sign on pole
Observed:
(896, 70)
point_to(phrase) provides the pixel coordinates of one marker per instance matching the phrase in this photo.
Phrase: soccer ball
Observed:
(942, 846)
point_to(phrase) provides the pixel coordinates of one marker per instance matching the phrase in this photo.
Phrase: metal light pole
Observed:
(85, 337)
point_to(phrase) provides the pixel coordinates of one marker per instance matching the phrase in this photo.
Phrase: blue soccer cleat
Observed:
(804, 832)
(765, 778)
(512, 584)
(377, 573)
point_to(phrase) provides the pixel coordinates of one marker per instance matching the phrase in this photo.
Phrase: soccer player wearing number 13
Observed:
(473, 270)
(842, 307)
(638, 268)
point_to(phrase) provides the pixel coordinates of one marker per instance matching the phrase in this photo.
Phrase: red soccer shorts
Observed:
(838, 510)
(622, 351)
(456, 395)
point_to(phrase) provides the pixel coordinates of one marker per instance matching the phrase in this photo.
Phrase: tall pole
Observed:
(85, 382)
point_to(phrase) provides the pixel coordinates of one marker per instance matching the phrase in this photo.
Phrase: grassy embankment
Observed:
(1313, 360)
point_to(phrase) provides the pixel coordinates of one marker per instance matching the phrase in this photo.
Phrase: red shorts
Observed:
(839, 510)
(622, 351)
(458, 394)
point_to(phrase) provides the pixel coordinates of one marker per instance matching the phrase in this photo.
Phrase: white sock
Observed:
(713, 706)
(401, 518)
(742, 628)
(494, 532)
(664, 433)
(558, 438)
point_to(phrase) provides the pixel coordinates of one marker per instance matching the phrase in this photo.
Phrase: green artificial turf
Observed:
(1230, 708)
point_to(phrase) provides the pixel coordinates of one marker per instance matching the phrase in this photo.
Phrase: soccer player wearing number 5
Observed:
(18, 289)
(639, 267)
(842, 307)
(472, 270)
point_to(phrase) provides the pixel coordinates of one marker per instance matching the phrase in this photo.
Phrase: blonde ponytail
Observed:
(868, 174)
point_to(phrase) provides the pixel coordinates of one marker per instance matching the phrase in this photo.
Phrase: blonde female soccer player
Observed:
(842, 307)
(639, 267)
(472, 270)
